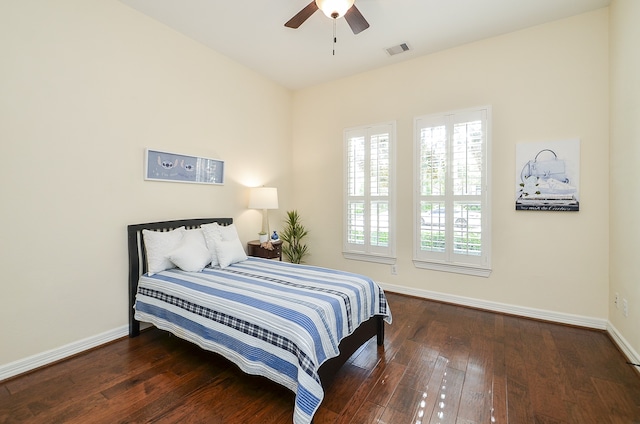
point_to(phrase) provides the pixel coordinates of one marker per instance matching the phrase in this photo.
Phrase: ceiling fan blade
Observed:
(302, 15)
(356, 21)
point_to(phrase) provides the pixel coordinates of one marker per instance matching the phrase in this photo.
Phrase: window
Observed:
(452, 219)
(369, 179)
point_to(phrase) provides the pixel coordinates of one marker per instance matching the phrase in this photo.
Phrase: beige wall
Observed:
(85, 86)
(545, 83)
(625, 172)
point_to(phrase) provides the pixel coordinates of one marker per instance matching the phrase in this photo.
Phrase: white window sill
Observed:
(368, 257)
(456, 268)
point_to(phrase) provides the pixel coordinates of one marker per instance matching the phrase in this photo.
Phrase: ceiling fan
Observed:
(334, 9)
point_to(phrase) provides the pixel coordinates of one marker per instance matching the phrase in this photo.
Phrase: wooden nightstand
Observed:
(254, 249)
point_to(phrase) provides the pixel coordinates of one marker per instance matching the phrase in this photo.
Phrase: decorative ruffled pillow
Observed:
(224, 244)
(211, 234)
(157, 245)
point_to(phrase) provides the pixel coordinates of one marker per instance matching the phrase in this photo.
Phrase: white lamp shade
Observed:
(263, 198)
(334, 7)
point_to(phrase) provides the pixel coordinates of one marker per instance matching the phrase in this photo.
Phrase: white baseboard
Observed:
(540, 314)
(623, 344)
(578, 320)
(32, 362)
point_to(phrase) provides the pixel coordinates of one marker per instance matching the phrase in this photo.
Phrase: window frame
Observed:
(367, 252)
(449, 260)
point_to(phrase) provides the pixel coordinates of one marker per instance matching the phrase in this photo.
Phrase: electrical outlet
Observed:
(625, 308)
(616, 300)
(394, 269)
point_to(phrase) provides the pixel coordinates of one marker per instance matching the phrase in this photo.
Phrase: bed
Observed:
(294, 324)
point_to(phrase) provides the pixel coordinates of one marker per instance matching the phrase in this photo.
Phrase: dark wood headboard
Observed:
(138, 254)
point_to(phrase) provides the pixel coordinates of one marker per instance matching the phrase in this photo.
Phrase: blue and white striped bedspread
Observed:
(274, 319)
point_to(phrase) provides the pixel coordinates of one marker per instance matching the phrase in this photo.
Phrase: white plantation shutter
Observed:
(452, 220)
(369, 193)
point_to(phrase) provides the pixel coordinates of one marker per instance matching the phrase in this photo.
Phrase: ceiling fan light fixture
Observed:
(334, 8)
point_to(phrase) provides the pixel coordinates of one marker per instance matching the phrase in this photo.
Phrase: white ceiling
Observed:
(252, 32)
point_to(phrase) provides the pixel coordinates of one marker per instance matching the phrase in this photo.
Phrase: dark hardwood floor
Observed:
(440, 364)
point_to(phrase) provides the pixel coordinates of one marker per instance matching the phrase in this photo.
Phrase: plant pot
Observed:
(263, 238)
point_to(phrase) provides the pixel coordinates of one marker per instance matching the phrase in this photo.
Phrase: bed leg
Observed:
(380, 333)
(134, 328)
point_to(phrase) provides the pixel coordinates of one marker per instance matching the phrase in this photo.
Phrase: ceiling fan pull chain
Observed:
(334, 36)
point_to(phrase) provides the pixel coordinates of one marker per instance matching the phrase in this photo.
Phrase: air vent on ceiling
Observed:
(400, 48)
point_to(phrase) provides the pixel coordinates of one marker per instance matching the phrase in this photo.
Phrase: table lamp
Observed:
(264, 198)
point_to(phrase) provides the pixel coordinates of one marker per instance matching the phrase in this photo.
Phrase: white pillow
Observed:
(211, 234)
(229, 252)
(191, 254)
(223, 244)
(157, 245)
(228, 232)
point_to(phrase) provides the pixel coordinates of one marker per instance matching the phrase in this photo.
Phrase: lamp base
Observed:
(265, 222)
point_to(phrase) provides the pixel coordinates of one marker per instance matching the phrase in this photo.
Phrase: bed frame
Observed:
(138, 266)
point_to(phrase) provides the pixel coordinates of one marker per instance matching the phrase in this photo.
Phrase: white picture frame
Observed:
(176, 167)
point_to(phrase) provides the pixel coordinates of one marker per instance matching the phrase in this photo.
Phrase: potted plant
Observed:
(292, 235)
(263, 237)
